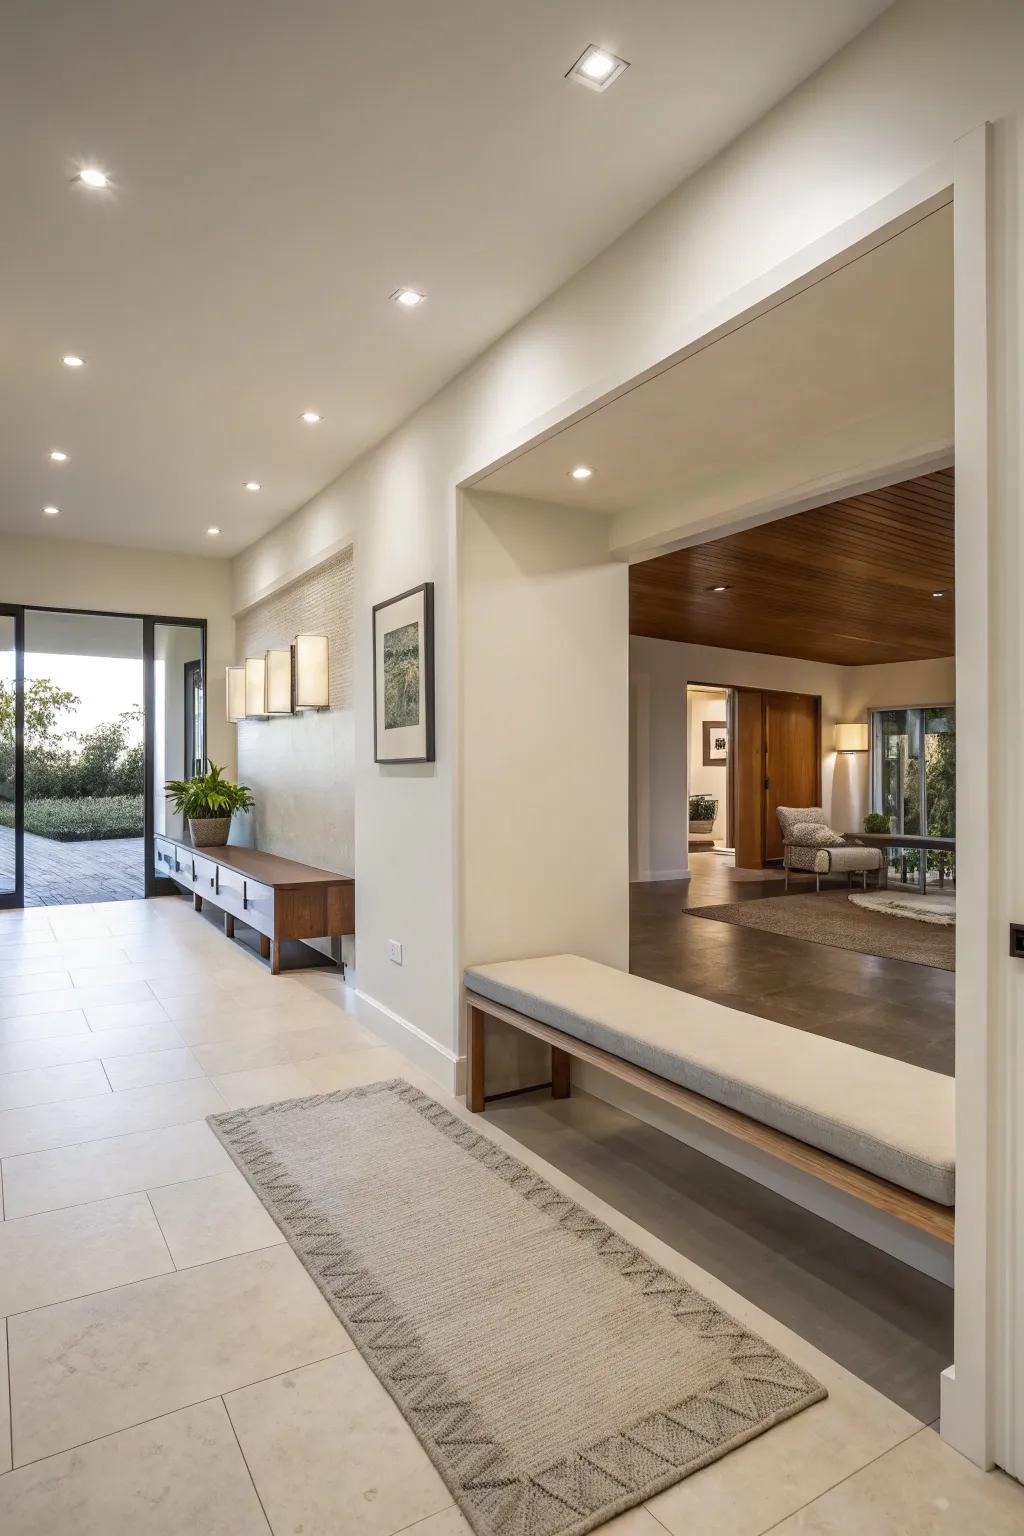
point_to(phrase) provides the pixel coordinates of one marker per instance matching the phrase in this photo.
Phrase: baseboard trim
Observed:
(440, 1063)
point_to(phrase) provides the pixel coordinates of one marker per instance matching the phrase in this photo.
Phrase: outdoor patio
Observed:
(57, 874)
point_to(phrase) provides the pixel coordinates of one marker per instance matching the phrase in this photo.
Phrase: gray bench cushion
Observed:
(890, 1118)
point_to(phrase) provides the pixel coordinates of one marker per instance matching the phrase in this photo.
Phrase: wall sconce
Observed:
(279, 682)
(235, 684)
(255, 687)
(312, 672)
(852, 738)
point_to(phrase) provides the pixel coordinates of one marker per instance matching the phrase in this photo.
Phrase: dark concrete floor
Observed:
(889, 1006)
(886, 1323)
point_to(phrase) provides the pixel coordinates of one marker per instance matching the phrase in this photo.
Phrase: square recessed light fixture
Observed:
(597, 68)
(409, 298)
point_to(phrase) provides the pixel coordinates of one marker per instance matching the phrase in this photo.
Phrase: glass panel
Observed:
(8, 880)
(84, 758)
(179, 733)
(905, 744)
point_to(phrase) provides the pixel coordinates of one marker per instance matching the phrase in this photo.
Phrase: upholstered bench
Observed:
(881, 1129)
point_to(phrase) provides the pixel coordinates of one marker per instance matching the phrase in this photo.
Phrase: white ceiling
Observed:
(854, 371)
(278, 170)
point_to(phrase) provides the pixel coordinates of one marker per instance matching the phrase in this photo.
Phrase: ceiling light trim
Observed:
(597, 68)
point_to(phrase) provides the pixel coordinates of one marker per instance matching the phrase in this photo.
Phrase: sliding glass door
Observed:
(12, 736)
(97, 711)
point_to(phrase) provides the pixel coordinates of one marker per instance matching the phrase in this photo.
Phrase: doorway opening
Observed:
(97, 711)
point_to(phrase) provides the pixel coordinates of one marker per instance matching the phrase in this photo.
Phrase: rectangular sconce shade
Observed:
(236, 693)
(279, 682)
(312, 673)
(255, 687)
(852, 738)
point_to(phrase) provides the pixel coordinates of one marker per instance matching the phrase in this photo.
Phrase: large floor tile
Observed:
(66, 999)
(52, 1257)
(137, 1015)
(119, 1165)
(329, 1439)
(111, 1114)
(351, 1069)
(86, 1368)
(150, 1067)
(183, 1473)
(43, 1026)
(922, 1488)
(212, 1218)
(265, 1085)
(49, 1085)
(290, 1045)
(87, 1045)
(22, 983)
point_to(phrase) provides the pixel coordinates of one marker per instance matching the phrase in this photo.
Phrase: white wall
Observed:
(63, 573)
(707, 778)
(544, 682)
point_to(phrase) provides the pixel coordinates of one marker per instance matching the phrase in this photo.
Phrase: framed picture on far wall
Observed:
(403, 677)
(716, 743)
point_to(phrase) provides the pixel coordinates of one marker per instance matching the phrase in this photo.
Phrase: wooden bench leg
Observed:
(229, 926)
(275, 958)
(197, 901)
(475, 1061)
(264, 946)
(561, 1073)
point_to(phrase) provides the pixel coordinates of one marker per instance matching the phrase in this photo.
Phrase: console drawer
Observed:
(205, 877)
(184, 871)
(163, 857)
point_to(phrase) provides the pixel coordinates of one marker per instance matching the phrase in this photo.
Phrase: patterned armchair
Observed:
(810, 847)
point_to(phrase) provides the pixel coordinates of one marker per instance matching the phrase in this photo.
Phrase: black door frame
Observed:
(149, 621)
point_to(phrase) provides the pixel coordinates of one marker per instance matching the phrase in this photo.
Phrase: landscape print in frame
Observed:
(403, 677)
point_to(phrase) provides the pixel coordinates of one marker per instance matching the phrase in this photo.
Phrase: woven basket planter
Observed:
(209, 831)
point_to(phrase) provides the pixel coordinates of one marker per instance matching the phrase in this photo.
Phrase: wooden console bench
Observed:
(277, 897)
(913, 1209)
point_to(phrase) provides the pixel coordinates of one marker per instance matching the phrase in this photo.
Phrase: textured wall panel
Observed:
(301, 767)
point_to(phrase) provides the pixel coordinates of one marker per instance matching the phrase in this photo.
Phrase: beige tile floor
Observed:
(171, 1366)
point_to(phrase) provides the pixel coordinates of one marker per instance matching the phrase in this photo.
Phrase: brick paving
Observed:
(58, 874)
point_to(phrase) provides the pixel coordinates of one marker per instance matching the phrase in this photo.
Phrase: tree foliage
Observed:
(64, 764)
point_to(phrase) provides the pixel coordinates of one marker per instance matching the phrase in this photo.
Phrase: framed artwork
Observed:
(716, 743)
(403, 677)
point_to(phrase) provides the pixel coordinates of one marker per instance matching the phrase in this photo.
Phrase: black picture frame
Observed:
(712, 728)
(426, 591)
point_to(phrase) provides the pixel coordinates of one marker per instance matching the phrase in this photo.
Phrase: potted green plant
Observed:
(208, 802)
(703, 810)
(876, 822)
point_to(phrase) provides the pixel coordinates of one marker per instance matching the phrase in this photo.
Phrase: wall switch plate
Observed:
(395, 951)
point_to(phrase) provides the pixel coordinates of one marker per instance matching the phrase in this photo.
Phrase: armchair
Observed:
(810, 847)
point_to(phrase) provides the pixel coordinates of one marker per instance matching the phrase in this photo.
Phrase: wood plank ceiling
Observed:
(850, 583)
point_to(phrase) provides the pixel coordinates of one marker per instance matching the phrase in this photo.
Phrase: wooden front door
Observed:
(792, 746)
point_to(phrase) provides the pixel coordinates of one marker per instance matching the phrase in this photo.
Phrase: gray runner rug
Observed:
(554, 1374)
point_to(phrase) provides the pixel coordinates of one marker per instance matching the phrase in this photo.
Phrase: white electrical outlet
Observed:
(395, 951)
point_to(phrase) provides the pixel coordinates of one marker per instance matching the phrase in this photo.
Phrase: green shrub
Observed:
(876, 822)
(80, 820)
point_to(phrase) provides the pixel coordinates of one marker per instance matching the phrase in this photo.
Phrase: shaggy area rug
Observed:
(831, 918)
(554, 1374)
(938, 909)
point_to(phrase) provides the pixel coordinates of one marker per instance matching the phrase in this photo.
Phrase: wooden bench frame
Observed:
(914, 1210)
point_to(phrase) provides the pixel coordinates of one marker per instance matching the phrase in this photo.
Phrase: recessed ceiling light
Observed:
(213, 532)
(51, 511)
(581, 472)
(72, 360)
(718, 589)
(253, 485)
(408, 297)
(938, 594)
(92, 176)
(311, 418)
(596, 68)
(59, 456)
